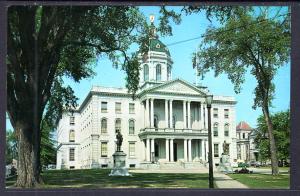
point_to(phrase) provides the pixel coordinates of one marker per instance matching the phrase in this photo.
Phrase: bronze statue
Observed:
(225, 148)
(119, 141)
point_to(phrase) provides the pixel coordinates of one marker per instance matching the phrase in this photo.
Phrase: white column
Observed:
(152, 149)
(189, 114)
(190, 150)
(202, 150)
(148, 149)
(166, 114)
(184, 114)
(172, 150)
(206, 149)
(167, 150)
(200, 117)
(185, 150)
(147, 113)
(204, 116)
(171, 114)
(152, 113)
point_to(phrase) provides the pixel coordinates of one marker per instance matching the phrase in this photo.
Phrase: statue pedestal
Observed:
(119, 165)
(225, 165)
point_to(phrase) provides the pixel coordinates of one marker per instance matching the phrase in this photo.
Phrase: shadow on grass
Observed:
(98, 178)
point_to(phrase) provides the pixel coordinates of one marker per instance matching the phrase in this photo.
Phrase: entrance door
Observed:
(175, 151)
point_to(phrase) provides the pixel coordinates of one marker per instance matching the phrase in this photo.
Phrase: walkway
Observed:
(223, 181)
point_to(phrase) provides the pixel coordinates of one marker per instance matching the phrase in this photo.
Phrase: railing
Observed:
(172, 130)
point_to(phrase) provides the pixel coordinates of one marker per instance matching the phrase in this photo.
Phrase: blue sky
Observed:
(190, 27)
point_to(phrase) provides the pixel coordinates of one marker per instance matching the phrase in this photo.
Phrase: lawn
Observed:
(98, 178)
(263, 181)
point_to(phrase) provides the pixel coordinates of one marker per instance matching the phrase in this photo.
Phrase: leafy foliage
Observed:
(281, 125)
(11, 147)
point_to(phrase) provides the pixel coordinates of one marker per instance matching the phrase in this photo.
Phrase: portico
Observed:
(173, 149)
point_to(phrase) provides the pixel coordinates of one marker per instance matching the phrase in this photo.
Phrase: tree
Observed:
(47, 43)
(281, 125)
(11, 148)
(249, 40)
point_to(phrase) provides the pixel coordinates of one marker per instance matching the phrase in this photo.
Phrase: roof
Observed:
(157, 46)
(243, 126)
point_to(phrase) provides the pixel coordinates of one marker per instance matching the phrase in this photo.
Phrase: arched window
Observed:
(169, 72)
(158, 72)
(118, 125)
(104, 125)
(72, 136)
(216, 129)
(226, 130)
(146, 72)
(131, 127)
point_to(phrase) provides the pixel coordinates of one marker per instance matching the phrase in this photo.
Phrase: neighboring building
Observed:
(246, 150)
(165, 124)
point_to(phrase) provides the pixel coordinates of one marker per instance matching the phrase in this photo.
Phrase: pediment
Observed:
(178, 87)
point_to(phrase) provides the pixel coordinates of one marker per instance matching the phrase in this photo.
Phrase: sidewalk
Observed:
(223, 181)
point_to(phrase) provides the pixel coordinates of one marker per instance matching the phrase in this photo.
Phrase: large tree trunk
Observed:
(28, 163)
(273, 149)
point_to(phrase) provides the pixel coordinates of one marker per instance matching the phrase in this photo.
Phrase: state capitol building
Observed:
(166, 125)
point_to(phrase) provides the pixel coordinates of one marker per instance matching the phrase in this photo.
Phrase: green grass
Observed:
(98, 178)
(263, 181)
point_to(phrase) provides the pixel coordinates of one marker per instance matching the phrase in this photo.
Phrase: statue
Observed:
(119, 141)
(225, 148)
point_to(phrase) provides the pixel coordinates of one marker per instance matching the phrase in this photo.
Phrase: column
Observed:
(152, 150)
(147, 113)
(171, 114)
(189, 114)
(184, 114)
(204, 116)
(152, 113)
(148, 149)
(206, 150)
(172, 150)
(200, 118)
(202, 150)
(167, 150)
(166, 114)
(185, 149)
(190, 150)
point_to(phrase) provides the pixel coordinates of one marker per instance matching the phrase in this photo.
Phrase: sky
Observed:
(193, 26)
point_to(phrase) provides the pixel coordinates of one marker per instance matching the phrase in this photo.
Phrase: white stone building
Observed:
(246, 149)
(165, 125)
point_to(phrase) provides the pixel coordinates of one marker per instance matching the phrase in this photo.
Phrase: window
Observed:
(104, 149)
(104, 125)
(131, 149)
(215, 112)
(103, 107)
(118, 107)
(226, 113)
(243, 135)
(118, 125)
(72, 154)
(226, 130)
(131, 127)
(72, 120)
(174, 121)
(169, 72)
(72, 136)
(158, 72)
(216, 150)
(146, 72)
(131, 108)
(216, 129)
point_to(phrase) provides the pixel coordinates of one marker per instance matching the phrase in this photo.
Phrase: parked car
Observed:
(255, 164)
